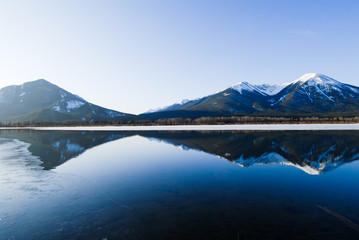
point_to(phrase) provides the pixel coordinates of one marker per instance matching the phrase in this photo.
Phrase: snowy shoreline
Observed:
(254, 127)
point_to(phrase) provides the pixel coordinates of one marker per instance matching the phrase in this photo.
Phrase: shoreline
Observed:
(233, 127)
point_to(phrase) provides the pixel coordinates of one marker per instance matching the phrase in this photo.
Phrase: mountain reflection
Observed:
(56, 147)
(314, 152)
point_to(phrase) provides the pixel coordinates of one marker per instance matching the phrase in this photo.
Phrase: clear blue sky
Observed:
(135, 55)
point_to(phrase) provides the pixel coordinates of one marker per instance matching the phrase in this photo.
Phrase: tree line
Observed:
(188, 121)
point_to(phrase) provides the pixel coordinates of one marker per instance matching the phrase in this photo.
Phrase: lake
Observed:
(179, 184)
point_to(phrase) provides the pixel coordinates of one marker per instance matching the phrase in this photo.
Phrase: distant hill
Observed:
(41, 100)
(311, 95)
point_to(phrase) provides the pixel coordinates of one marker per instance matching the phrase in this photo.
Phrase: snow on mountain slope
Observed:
(73, 104)
(314, 86)
(264, 89)
(321, 82)
(270, 89)
(316, 77)
(246, 87)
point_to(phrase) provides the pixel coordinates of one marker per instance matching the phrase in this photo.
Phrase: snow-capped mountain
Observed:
(312, 94)
(317, 93)
(41, 100)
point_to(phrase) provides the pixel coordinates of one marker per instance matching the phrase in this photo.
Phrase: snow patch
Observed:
(73, 104)
(70, 105)
(280, 100)
(57, 108)
(115, 114)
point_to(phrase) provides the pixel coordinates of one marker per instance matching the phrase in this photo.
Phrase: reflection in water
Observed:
(56, 147)
(314, 152)
(70, 185)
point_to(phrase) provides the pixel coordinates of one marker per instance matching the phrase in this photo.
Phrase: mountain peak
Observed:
(317, 77)
(41, 80)
(311, 75)
(37, 82)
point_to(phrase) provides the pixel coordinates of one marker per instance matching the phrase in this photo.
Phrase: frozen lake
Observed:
(135, 183)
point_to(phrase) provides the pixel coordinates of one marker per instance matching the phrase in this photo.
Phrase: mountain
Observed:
(41, 100)
(317, 93)
(311, 95)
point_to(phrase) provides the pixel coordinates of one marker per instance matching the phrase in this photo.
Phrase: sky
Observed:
(133, 56)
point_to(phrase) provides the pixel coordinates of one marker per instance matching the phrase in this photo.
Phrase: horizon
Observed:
(136, 56)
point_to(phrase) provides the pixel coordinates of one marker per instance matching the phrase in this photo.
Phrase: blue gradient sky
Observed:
(135, 55)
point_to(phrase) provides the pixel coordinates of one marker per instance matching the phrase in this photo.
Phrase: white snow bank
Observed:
(255, 127)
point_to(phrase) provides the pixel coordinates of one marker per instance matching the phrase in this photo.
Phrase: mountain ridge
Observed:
(312, 94)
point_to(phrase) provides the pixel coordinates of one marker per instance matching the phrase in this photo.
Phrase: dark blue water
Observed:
(179, 185)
